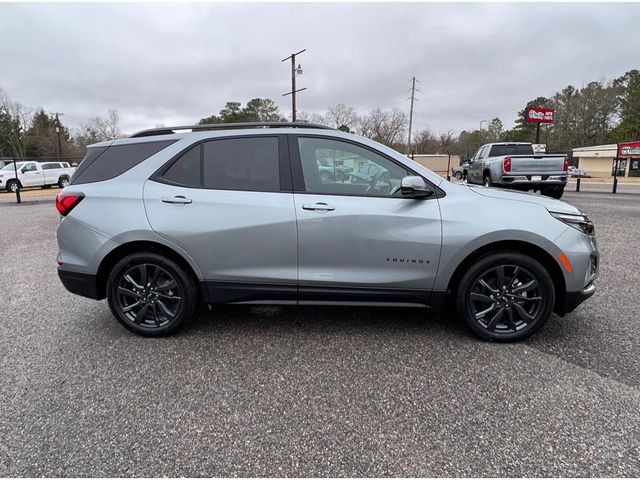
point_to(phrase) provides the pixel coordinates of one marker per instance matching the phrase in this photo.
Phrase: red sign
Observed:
(540, 115)
(629, 149)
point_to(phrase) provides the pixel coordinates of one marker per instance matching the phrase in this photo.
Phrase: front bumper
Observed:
(83, 284)
(573, 299)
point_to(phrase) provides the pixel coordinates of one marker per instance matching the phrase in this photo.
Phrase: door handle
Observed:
(318, 207)
(178, 200)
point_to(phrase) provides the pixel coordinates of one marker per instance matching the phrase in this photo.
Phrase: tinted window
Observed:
(347, 169)
(186, 170)
(115, 160)
(501, 150)
(242, 164)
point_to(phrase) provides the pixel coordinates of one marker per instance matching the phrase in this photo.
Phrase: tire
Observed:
(459, 175)
(505, 314)
(157, 307)
(554, 192)
(13, 185)
(486, 180)
(63, 182)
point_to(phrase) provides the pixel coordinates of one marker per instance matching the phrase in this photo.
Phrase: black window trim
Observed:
(283, 165)
(298, 176)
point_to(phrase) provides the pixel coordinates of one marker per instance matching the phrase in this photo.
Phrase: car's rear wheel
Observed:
(63, 182)
(505, 296)
(150, 294)
(459, 175)
(486, 181)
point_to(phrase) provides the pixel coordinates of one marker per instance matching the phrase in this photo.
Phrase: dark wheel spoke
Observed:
(524, 315)
(481, 297)
(154, 277)
(526, 286)
(128, 308)
(168, 297)
(154, 308)
(493, 323)
(482, 313)
(510, 319)
(487, 286)
(142, 314)
(516, 271)
(127, 292)
(166, 310)
(167, 286)
(520, 298)
(132, 281)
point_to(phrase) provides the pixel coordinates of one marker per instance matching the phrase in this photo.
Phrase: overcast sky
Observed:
(175, 63)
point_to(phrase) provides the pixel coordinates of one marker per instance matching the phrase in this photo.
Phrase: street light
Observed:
(294, 71)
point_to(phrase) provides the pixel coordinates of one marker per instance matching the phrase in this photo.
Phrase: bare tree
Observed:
(446, 140)
(425, 142)
(311, 118)
(16, 119)
(386, 127)
(341, 116)
(99, 129)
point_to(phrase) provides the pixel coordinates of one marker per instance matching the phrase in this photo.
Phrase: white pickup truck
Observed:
(35, 174)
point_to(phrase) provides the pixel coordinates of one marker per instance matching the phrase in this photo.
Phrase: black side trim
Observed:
(83, 284)
(231, 292)
(362, 295)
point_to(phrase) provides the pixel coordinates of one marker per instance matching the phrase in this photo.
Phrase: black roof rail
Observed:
(226, 126)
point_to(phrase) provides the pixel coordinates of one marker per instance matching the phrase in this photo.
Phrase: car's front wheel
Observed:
(150, 294)
(505, 296)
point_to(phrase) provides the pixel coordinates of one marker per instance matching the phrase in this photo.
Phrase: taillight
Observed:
(506, 164)
(566, 164)
(66, 201)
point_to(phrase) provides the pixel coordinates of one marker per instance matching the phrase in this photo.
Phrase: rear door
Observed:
(361, 241)
(228, 203)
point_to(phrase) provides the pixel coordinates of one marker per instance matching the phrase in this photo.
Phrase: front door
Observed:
(30, 176)
(228, 204)
(357, 240)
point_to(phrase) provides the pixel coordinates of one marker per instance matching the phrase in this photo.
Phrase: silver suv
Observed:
(173, 217)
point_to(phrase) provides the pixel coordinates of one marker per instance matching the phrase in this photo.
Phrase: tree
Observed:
(99, 129)
(628, 89)
(256, 110)
(15, 119)
(425, 142)
(525, 131)
(386, 127)
(41, 139)
(341, 117)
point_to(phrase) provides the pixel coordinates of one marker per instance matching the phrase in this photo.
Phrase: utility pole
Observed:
(58, 132)
(294, 71)
(413, 96)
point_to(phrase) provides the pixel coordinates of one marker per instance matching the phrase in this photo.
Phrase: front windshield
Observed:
(10, 166)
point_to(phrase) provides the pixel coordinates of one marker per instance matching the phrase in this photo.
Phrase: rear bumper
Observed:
(557, 180)
(83, 284)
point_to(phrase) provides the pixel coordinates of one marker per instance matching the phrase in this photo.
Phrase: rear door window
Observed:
(250, 163)
(186, 170)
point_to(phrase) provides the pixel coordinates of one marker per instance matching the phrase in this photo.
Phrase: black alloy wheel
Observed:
(150, 294)
(506, 296)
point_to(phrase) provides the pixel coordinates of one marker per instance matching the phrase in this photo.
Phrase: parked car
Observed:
(515, 165)
(35, 174)
(577, 172)
(161, 221)
(460, 172)
(331, 171)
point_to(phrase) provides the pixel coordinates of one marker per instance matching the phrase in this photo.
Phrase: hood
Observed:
(550, 204)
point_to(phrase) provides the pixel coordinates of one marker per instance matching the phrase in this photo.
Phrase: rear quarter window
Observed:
(105, 163)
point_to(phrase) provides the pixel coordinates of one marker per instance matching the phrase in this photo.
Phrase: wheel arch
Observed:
(121, 251)
(526, 248)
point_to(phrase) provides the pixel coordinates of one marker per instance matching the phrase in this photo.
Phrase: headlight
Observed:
(579, 222)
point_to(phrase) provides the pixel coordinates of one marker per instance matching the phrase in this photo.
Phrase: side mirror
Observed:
(23, 170)
(415, 187)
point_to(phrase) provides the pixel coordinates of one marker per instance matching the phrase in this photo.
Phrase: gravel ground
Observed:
(293, 391)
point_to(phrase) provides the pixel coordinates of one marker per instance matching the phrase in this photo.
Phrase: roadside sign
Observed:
(540, 115)
(629, 149)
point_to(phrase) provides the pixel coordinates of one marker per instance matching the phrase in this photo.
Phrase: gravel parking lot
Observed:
(293, 391)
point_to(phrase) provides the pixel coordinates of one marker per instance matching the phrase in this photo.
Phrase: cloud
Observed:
(175, 63)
